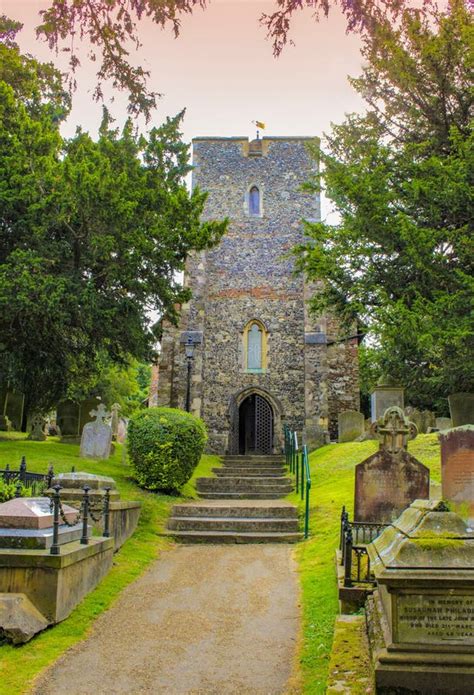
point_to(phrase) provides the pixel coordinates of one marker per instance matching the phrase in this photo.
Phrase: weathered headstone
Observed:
(37, 428)
(385, 395)
(14, 407)
(85, 411)
(350, 425)
(457, 467)
(96, 437)
(391, 479)
(421, 616)
(67, 418)
(423, 419)
(122, 430)
(114, 422)
(443, 423)
(461, 407)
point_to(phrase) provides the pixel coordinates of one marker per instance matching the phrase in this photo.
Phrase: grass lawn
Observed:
(332, 475)
(19, 665)
(332, 471)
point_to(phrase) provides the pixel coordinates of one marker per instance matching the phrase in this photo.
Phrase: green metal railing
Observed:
(298, 462)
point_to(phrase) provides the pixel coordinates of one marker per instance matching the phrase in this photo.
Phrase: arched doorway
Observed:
(255, 425)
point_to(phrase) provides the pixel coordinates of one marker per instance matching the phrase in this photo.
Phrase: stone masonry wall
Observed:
(249, 276)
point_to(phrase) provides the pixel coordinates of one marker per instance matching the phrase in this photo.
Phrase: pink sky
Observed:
(221, 68)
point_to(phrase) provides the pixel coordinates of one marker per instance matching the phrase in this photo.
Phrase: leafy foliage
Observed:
(9, 491)
(165, 445)
(401, 260)
(92, 235)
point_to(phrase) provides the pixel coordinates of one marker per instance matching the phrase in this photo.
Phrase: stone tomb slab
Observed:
(386, 484)
(457, 466)
(350, 425)
(79, 479)
(31, 513)
(39, 539)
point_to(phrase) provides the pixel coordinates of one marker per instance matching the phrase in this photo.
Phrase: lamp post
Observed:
(189, 350)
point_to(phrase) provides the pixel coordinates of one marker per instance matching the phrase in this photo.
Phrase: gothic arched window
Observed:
(254, 201)
(255, 347)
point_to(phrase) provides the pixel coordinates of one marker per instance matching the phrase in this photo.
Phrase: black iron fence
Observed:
(353, 540)
(298, 462)
(88, 510)
(37, 483)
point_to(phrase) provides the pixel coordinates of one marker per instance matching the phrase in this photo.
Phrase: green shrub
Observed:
(8, 490)
(165, 446)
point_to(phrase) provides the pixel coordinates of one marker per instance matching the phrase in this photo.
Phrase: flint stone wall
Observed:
(248, 277)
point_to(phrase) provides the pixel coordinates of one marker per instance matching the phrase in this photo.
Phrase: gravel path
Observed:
(204, 620)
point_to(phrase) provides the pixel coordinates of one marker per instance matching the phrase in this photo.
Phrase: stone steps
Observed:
(228, 472)
(241, 504)
(245, 524)
(244, 483)
(255, 510)
(234, 537)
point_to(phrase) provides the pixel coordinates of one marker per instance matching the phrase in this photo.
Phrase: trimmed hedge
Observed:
(165, 446)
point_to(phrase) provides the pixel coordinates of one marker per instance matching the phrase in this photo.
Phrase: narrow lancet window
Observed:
(254, 201)
(254, 354)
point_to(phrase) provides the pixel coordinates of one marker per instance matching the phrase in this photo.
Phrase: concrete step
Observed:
(237, 484)
(258, 509)
(234, 537)
(202, 523)
(229, 472)
(243, 495)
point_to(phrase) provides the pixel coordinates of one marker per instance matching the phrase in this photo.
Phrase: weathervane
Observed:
(260, 126)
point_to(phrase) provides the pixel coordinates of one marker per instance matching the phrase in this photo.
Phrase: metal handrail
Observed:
(298, 462)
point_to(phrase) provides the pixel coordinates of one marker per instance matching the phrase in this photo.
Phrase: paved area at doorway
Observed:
(204, 620)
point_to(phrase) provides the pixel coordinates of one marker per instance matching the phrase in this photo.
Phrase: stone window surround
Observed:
(247, 200)
(244, 354)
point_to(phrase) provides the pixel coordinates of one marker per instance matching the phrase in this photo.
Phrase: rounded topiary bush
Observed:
(165, 445)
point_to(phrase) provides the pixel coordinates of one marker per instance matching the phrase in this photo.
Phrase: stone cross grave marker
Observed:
(38, 424)
(391, 479)
(97, 436)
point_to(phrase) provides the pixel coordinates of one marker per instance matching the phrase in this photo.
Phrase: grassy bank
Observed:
(332, 473)
(19, 665)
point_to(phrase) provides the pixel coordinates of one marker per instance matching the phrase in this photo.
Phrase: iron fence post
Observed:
(18, 490)
(50, 475)
(55, 548)
(23, 469)
(85, 515)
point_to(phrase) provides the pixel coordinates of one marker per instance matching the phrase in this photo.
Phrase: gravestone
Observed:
(114, 423)
(457, 467)
(421, 615)
(461, 407)
(67, 418)
(391, 479)
(13, 409)
(122, 430)
(423, 419)
(85, 408)
(385, 395)
(350, 425)
(37, 428)
(443, 423)
(96, 437)
(72, 486)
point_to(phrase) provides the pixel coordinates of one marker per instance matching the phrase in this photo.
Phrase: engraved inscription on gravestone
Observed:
(429, 619)
(457, 465)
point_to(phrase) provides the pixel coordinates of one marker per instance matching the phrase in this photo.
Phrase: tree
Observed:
(92, 236)
(400, 262)
(110, 27)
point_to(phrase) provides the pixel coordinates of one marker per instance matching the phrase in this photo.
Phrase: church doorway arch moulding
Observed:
(255, 422)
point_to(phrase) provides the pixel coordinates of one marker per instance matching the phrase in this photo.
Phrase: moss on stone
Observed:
(350, 669)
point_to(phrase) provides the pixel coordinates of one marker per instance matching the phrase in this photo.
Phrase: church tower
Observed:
(260, 360)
